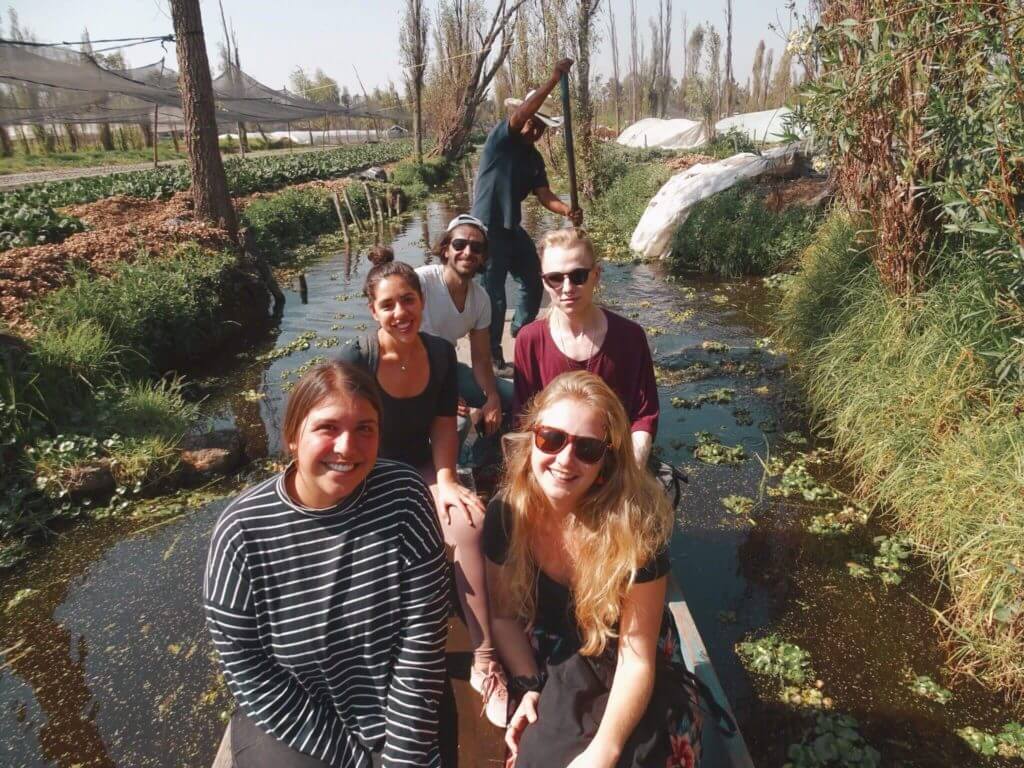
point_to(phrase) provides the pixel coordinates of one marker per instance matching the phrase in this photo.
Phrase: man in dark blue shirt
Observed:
(510, 169)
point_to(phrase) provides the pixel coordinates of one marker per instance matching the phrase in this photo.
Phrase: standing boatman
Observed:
(510, 169)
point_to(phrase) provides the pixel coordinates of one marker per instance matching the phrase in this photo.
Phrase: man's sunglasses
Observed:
(476, 247)
(576, 277)
(589, 450)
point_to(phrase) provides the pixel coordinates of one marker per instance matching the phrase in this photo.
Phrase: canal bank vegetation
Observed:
(740, 232)
(906, 317)
(92, 410)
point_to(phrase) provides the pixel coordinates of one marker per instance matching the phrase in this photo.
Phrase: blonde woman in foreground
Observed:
(576, 543)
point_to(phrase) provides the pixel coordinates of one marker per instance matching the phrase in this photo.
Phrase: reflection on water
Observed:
(108, 663)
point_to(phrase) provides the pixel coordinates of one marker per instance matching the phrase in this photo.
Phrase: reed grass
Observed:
(907, 388)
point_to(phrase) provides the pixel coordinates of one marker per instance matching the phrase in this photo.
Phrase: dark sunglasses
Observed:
(476, 247)
(589, 450)
(576, 277)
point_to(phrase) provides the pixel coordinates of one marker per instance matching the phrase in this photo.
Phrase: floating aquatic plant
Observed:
(926, 688)
(711, 451)
(681, 316)
(1009, 742)
(742, 416)
(837, 523)
(798, 481)
(19, 597)
(812, 696)
(774, 657)
(298, 344)
(834, 741)
(890, 562)
(739, 505)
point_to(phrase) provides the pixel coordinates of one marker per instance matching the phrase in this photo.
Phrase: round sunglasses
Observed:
(576, 277)
(476, 247)
(551, 440)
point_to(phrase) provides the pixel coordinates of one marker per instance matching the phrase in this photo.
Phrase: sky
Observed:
(342, 36)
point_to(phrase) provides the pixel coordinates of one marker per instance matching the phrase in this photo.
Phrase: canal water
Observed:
(107, 662)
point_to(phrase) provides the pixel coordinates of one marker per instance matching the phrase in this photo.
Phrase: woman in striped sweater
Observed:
(325, 594)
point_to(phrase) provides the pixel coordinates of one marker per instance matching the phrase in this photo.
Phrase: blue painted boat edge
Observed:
(719, 751)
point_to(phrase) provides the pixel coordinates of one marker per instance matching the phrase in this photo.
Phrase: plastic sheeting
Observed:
(664, 134)
(671, 206)
(767, 126)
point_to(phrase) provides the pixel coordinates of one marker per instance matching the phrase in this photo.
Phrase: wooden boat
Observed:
(479, 744)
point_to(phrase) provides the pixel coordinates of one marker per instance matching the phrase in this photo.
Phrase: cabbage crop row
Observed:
(27, 216)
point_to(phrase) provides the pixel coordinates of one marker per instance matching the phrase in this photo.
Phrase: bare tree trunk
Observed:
(147, 134)
(584, 119)
(72, 132)
(634, 70)
(728, 58)
(209, 184)
(452, 137)
(6, 147)
(765, 83)
(106, 137)
(617, 84)
(665, 68)
(414, 54)
(174, 138)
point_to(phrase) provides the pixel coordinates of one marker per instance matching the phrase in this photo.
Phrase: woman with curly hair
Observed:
(577, 543)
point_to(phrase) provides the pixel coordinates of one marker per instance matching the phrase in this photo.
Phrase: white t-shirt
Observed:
(440, 315)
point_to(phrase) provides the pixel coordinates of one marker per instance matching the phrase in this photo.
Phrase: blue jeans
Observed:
(474, 396)
(511, 252)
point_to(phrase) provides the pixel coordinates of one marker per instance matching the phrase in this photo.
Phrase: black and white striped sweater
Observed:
(331, 624)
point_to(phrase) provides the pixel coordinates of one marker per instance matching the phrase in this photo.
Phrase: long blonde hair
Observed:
(621, 523)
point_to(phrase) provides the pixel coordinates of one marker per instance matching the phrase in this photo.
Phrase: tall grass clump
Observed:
(160, 309)
(909, 389)
(735, 233)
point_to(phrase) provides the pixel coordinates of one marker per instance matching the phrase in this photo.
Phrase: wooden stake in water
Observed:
(351, 213)
(341, 216)
(369, 203)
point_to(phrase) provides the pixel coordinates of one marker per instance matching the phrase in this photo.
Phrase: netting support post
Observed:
(289, 135)
(156, 135)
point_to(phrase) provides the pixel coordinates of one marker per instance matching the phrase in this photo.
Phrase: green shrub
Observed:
(909, 390)
(288, 218)
(160, 309)
(734, 233)
(727, 144)
(613, 161)
(618, 209)
(417, 179)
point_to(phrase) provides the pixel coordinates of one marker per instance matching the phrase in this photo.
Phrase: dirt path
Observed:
(18, 180)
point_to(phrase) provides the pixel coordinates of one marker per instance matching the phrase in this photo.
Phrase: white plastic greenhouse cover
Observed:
(767, 126)
(671, 206)
(665, 134)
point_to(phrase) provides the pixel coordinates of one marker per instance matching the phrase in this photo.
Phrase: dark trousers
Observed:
(252, 747)
(511, 252)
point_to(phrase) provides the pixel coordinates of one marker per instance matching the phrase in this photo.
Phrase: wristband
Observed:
(529, 683)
